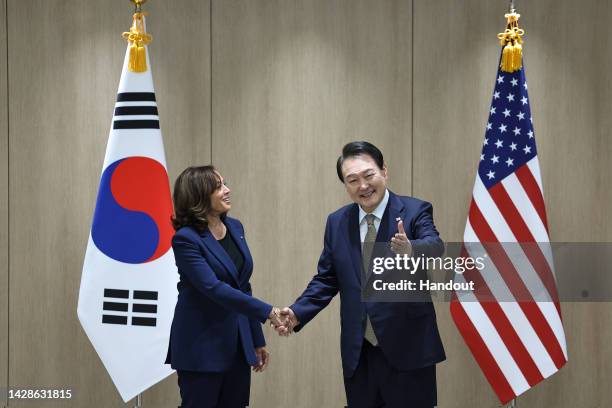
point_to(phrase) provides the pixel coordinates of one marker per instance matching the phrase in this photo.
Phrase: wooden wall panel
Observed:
(292, 83)
(4, 232)
(570, 89)
(454, 70)
(64, 77)
(182, 85)
(570, 92)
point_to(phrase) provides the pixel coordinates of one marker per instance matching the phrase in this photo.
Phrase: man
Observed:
(389, 350)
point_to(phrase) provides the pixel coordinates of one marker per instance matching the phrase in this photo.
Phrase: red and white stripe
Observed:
(512, 322)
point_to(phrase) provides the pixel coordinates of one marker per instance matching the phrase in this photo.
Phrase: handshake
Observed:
(283, 321)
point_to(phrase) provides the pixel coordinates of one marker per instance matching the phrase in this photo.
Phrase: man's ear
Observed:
(384, 170)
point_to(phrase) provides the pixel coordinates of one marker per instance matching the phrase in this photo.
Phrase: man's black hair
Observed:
(359, 148)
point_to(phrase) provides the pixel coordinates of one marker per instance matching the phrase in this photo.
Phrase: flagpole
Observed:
(512, 9)
(138, 401)
(138, 4)
(137, 9)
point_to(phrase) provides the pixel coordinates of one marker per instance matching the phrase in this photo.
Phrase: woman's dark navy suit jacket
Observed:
(215, 308)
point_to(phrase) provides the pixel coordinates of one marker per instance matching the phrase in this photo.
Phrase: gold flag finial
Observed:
(511, 39)
(137, 38)
(138, 4)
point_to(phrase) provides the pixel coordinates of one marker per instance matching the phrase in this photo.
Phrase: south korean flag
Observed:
(128, 286)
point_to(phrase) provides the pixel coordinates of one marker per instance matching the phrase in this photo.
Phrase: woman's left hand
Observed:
(263, 358)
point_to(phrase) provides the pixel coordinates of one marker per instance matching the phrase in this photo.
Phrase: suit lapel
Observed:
(242, 246)
(354, 239)
(219, 253)
(388, 224)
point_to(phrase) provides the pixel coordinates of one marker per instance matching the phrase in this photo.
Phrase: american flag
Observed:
(512, 322)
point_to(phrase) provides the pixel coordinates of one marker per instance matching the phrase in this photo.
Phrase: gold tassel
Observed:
(507, 57)
(137, 38)
(517, 56)
(511, 39)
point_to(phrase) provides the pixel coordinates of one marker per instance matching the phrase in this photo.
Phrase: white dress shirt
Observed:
(378, 213)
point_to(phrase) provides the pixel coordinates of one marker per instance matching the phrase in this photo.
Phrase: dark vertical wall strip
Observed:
(210, 60)
(4, 204)
(412, 135)
(62, 91)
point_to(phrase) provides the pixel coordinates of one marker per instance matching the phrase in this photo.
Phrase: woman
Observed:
(216, 333)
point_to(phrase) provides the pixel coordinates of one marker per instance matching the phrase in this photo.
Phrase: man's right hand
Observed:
(288, 322)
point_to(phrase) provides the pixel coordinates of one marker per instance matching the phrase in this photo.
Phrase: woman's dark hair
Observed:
(357, 149)
(192, 190)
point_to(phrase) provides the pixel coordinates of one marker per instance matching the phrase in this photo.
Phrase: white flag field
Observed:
(128, 286)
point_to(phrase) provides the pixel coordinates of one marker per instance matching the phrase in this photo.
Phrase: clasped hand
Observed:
(283, 321)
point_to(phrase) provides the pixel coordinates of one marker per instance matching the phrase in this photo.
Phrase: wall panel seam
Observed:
(210, 85)
(8, 201)
(412, 98)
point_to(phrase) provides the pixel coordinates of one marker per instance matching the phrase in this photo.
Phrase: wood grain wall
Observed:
(454, 69)
(293, 84)
(570, 89)
(570, 93)
(270, 98)
(64, 71)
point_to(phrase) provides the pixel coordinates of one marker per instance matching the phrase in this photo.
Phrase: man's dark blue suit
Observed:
(407, 332)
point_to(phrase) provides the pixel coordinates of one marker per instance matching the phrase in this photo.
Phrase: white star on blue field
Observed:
(509, 142)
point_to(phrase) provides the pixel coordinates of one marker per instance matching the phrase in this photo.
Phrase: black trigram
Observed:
(136, 110)
(118, 300)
